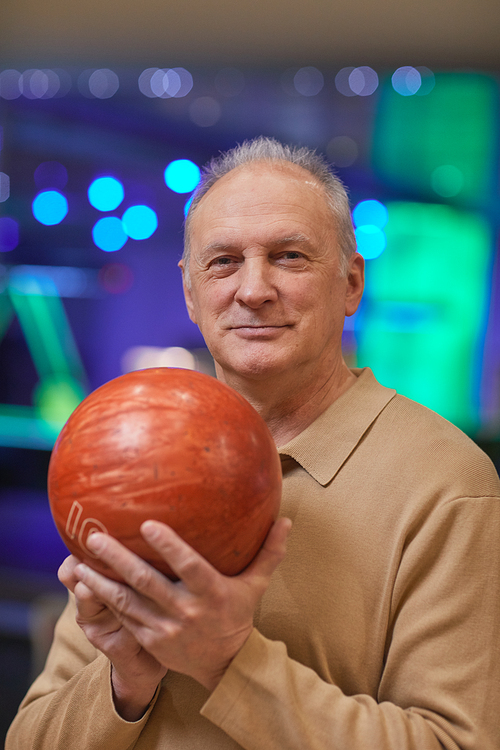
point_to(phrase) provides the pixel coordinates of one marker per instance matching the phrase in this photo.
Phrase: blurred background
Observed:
(107, 112)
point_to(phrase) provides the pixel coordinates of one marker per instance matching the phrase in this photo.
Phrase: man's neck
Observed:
(286, 410)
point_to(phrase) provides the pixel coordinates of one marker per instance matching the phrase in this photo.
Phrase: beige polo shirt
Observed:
(380, 629)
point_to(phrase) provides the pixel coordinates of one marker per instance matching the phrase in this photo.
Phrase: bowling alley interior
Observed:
(107, 115)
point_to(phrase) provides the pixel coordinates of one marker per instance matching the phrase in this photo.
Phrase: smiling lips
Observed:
(257, 331)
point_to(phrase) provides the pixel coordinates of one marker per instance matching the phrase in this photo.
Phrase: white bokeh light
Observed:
(205, 111)
(342, 82)
(103, 83)
(342, 151)
(308, 81)
(363, 81)
(40, 84)
(142, 357)
(10, 84)
(165, 83)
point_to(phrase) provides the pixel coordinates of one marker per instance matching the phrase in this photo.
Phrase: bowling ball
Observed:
(172, 445)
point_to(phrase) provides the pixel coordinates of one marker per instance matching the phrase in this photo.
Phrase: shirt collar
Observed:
(325, 445)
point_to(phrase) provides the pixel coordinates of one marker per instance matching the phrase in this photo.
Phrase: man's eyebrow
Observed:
(220, 245)
(217, 246)
(290, 239)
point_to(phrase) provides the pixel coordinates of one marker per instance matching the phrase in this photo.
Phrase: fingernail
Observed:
(94, 542)
(149, 530)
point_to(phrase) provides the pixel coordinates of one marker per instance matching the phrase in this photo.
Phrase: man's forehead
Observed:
(260, 182)
(251, 171)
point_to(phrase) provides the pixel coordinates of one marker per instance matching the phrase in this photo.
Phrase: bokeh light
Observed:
(371, 241)
(342, 82)
(51, 174)
(370, 212)
(308, 81)
(39, 84)
(139, 222)
(10, 84)
(4, 187)
(447, 180)
(51, 281)
(182, 175)
(363, 81)
(115, 278)
(406, 81)
(165, 83)
(50, 207)
(57, 396)
(108, 234)
(342, 151)
(205, 111)
(428, 80)
(143, 357)
(102, 83)
(9, 234)
(106, 193)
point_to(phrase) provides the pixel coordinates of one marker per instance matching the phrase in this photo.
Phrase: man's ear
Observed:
(187, 293)
(355, 283)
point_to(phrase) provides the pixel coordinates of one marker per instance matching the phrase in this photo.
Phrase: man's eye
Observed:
(291, 255)
(221, 261)
(224, 265)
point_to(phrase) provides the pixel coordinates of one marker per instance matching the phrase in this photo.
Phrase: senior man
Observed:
(380, 627)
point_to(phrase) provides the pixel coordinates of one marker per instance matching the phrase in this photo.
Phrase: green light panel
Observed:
(426, 299)
(442, 144)
(62, 380)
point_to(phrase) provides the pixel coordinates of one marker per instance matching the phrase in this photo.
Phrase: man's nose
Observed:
(256, 283)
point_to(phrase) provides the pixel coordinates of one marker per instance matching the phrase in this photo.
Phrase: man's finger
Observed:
(115, 596)
(271, 553)
(88, 605)
(195, 572)
(66, 572)
(137, 573)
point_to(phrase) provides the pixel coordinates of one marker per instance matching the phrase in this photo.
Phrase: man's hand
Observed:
(194, 626)
(135, 673)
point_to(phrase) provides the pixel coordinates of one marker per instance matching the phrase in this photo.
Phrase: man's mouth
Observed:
(258, 330)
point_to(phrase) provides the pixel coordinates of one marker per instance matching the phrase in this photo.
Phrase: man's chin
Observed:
(252, 368)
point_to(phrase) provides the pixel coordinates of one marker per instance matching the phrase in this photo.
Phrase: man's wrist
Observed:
(131, 700)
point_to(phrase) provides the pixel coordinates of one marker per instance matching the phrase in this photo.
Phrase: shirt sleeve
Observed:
(70, 705)
(440, 685)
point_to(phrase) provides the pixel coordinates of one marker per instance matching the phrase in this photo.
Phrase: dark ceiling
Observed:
(259, 33)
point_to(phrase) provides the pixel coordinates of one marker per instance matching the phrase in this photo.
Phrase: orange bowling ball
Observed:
(172, 445)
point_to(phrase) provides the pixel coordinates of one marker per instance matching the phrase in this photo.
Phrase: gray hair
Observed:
(263, 149)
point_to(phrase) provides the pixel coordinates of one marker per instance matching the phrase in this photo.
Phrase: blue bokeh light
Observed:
(9, 234)
(106, 193)
(371, 241)
(108, 234)
(51, 174)
(406, 81)
(139, 222)
(182, 176)
(50, 207)
(370, 212)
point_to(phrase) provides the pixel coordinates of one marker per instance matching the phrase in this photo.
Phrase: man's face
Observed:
(266, 290)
